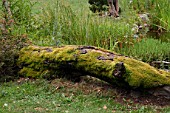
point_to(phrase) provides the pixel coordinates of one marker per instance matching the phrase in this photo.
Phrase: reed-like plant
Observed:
(142, 5)
(60, 24)
(159, 12)
(147, 50)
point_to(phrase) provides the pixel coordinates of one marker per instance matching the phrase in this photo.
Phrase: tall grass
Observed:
(162, 14)
(60, 24)
(159, 11)
(148, 50)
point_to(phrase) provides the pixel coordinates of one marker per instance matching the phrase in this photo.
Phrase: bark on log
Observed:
(74, 61)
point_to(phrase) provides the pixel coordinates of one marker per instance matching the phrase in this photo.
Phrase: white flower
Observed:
(5, 105)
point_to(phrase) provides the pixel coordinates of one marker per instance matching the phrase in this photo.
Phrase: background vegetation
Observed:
(159, 11)
(72, 22)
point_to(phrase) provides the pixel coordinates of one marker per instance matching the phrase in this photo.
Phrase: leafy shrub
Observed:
(98, 5)
(9, 45)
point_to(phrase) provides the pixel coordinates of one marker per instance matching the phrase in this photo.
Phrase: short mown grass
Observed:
(63, 96)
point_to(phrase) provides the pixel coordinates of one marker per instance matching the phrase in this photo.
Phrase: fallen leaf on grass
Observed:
(104, 107)
(40, 109)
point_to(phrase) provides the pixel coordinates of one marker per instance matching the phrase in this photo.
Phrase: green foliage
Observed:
(98, 5)
(161, 15)
(142, 5)
(21, 12)
(147, 50)
(59, 24)
(9, 46)
(23, 19)
(23, 16)
(159, 12)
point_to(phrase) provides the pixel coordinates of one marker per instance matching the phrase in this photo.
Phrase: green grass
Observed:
(62, 96)
(147, 50)
(159, 11)
(71, 22)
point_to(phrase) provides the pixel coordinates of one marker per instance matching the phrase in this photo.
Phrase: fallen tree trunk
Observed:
(76, 61)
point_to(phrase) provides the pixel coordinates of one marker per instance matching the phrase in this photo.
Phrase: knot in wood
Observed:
(120, 70)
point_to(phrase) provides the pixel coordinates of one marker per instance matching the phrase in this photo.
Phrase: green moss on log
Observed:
(37, 62)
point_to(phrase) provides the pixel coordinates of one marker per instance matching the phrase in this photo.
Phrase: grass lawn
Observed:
(63, 96)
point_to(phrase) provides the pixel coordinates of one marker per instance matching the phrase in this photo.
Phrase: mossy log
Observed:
(74, 61)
